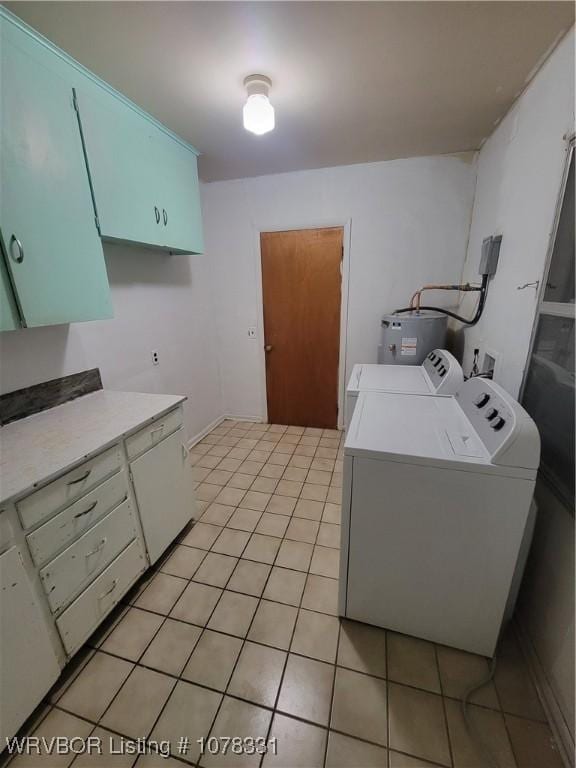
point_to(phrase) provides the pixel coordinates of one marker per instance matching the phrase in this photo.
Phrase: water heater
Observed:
(407, 338)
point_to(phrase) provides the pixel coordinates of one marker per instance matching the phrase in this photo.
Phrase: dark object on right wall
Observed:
(488, 264)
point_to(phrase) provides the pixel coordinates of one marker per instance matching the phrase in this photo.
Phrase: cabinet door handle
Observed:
(86, 511)
(19, 258)
(97, 548)
(79, 479)
(157, 215)
(164, 216)
(112, 588)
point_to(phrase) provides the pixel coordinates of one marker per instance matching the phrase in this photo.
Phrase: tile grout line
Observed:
(444, 711)
(388, 733)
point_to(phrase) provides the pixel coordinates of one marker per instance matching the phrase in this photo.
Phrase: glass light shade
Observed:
(258, 114)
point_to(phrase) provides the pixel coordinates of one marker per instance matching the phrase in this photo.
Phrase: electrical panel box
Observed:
(490, 254)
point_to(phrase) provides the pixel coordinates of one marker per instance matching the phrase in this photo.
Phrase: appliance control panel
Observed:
(507, 431)
(444, 372)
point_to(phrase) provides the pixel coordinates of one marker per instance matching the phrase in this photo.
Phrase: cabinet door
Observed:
(28, 663)
(46, 213)
(164, 492)
(145, 183)
(181, 198)
(122, 155)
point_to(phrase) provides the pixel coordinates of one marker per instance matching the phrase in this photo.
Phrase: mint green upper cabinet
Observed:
(52, 246)
(120, 150)
(181, 198)
(144, 181)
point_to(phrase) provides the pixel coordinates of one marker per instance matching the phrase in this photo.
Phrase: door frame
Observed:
(288, 225)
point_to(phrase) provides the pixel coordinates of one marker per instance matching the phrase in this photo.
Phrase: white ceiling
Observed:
(352, 81)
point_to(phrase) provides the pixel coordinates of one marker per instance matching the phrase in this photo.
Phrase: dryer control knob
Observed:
(498, 424)
(481, 401)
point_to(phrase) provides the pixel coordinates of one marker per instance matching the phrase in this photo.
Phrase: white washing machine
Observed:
(436, 512)
(439, 374)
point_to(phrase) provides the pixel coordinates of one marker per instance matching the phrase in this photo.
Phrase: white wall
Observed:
(519, 174)
(162, 303)
(408, 224)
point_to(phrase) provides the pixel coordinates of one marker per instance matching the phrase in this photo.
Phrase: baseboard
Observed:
(555, 716)
(213, 424)
(236, 417)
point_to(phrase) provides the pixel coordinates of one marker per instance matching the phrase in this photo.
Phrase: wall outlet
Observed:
(252, 332)
(490, 363)
(155, 358)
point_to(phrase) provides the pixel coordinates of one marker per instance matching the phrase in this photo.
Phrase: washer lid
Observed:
(409, 379)
(422, 430)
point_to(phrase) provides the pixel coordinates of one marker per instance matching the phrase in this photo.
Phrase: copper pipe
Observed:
(439, 287)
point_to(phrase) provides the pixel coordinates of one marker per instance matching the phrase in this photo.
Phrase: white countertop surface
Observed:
(35, 449)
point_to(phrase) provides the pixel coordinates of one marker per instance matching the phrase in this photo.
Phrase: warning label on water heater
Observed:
(408, 347)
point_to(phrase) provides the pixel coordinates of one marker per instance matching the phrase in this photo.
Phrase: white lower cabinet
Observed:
(28, 662)
(164, 492)
(87, 533)
(68, 525)
(75, 568)
(81, 618)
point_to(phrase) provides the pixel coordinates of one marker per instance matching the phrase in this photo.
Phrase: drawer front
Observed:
(81, 618)
(73, 521)
(77, 566)
(43, 503)
(149, 436)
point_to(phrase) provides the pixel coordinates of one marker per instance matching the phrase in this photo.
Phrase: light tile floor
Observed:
(235, 633)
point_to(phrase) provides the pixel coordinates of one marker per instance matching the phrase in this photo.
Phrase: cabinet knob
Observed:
(164, 216)
(268, 348)
(157, 215)
(19, 256)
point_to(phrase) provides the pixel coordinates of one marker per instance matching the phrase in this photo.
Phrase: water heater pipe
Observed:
(477, 315)
(439, 287)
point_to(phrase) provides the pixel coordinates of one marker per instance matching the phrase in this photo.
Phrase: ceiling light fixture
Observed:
(258, 113)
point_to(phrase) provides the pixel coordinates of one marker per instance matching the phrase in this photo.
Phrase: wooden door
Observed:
(301, 285)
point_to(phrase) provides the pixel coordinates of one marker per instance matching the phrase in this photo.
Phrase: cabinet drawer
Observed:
(59, 493)
(152, 434)
(73, 521)
(74, 568)
(81, 618)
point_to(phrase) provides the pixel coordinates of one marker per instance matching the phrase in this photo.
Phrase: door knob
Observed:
(268, 348)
